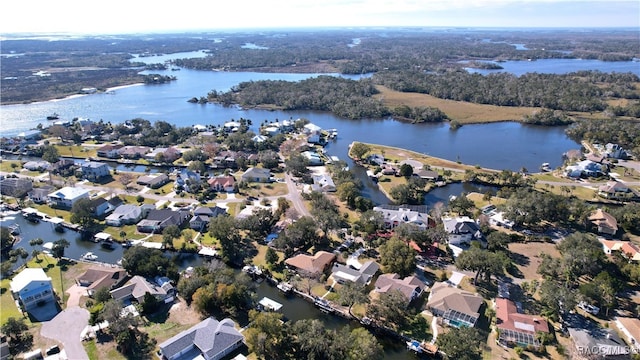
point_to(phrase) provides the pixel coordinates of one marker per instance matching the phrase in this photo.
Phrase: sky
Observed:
(142, 16)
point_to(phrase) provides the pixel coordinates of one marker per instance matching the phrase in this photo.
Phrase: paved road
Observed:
(66, 328)
(294, 196)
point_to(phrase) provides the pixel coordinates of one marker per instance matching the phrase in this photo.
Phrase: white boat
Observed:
(89, 256)
(285, 287)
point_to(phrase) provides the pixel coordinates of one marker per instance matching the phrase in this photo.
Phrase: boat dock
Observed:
(267, 304)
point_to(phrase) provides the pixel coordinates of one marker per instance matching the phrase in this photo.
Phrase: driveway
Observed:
(67, 326)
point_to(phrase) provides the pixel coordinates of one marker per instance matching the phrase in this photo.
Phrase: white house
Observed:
(94, 170)
(462, 230)
(32, 287)
(395, 215)
(67, 196)
(209, 340)
(323, 183)
(254, 174)
(125, 214)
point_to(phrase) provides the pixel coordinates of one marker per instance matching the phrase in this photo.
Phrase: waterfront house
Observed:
(598, 343)
(36, 165)
(134, 152)
(222, 183)
(64, 167)
(586, 168)
(203, 215)
(376, 159)
(209, 340)
(125, 214)
(157, 220)
(255, 174)
(462, 230)
(30, 135)
(311, 128)
(615, 151)
(411, 286)
(259, 138)
(344, 273)
(16, 187)
(394, 215)
(630, 327)
(186, 180)
(313, 265)
(313, 158)
(99, 206)
(67, 196)
(98, 278)
(615, 190)
(604, 222)
(153, 181)
(32, 287)
(455, 307)
(428, 175)
(518, 329)
(94, 171)
(109, 151)
(138, 286)
(323, 183)
(40, 195)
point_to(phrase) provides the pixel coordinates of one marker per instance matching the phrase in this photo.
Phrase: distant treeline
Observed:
(623, 133)
(581, 91)
(344, 97)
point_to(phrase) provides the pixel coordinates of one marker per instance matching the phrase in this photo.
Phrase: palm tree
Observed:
(58, 247)
(33, 243)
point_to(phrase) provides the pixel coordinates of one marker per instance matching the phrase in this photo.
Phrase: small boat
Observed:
(545, 167)
(33, 217)
(53, 116)
(58, 228)
(89, 256)
(14, 229)
(285, 287)
(108, 244)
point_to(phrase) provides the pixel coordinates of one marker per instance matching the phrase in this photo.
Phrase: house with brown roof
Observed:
(630, 327)
(411, 287)
(456, 307)
(515, 328)
(134, 152)
(628, 249)
(616, 190)
(312, 265)
(222, 183)
(109, 151)
(604, 222)
(95, 279)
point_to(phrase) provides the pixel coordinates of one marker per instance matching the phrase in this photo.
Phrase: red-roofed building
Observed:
(631, 251)
(516, 328)
(222, 183)
(311, 265)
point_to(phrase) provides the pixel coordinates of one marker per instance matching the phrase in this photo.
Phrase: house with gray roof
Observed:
(126, 214)
(203, 214)
(456, 307)
(254, 174)
(153, 181)
(138, 286)
(158, 220)
(598, 343)
(16, 187)
(411, 286)
(210, 340)
(93, 170)
(462, 230)
(344, 273)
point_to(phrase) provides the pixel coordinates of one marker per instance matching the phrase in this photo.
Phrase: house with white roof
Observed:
(209, 340)
(412, 214)
(93, 170)
(254, 174)
(344, 273)
(126, 214)
(32, 287)
(67, 196)
(323, 183)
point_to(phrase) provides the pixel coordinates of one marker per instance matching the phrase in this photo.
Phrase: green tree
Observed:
(19, 338)
(6, 239)
(58, 248)
(359, 150)
(406, 170)
(50, 154)
(390, 310)
(483, 262)
(350, 294)
(83, 214)
(271, 257)
(462, 343)
(226, 230)
(169, 234)
(397, 257)
(266, 335)
(36, 242)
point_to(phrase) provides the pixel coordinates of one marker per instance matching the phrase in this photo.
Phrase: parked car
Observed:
(591, 309)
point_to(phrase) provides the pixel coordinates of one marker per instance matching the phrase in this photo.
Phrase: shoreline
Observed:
(73, 96)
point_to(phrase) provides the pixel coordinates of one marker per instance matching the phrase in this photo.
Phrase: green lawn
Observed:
(59, 284)
(10, 165)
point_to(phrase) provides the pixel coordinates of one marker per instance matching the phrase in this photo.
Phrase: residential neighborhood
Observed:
(492, 266)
